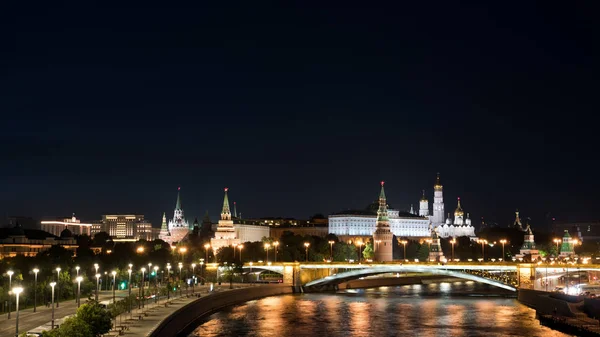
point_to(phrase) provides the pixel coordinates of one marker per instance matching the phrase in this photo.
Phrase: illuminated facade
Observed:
(125, 227)
(459, 226)
(56, 226)
(178, 228)
(225, 235)
(30, 242)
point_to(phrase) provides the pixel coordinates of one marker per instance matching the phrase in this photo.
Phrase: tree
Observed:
(368, 252)
(98, 318)
(71, 327)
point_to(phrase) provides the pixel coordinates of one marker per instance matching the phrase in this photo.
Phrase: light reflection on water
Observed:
(415, 310)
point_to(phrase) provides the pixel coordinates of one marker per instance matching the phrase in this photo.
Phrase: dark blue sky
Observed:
(299, 108)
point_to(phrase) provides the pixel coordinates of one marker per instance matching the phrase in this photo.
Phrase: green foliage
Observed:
(368, 252)
(98, 318)
(423, 252)
(71, 327)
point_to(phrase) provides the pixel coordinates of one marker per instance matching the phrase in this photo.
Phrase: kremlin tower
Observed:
(382, 233)
(225, 235)
(178, 228)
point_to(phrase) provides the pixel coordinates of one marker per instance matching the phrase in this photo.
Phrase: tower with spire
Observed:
(164, 229)
(459, 215)
(435, 248)
(438, 203)
(383, 235)
(423, 206)
(178, 227)
(225, 235)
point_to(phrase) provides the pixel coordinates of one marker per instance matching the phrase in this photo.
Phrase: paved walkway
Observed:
(153, 314)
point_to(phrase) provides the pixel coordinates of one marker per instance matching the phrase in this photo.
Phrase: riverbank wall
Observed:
(184, 320)
(545, 304)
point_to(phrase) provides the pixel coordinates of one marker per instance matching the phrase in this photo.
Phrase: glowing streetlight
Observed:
(331, 242)
(168, 280)
(180, 265)
(114, 274)
(17, 291)
(79, 279)
(453, 241)
(306, 245)
(240, 247)
(234, 248)
(404, 242)
(557, 241)
(97, 285)
(429, 241)
(359, 243)
(10, 274)
(276, 244)
(206, 247)
(96, 267)
(35, 272)
(194, 275)
(140, 249)
(129, 284)
(182, 251)
(267, 246)
(483, 243)
(143, 270)
(503, 242)
(52, 284)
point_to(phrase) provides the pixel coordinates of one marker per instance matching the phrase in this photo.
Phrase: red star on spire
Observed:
(226, 189)
(382, 182)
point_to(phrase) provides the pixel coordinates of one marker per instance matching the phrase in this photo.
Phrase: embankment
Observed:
(182, 321)
(545, 304)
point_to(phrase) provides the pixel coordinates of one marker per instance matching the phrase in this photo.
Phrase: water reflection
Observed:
(418, 310)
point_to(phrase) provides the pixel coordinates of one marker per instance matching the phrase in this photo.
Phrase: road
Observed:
(29, 320)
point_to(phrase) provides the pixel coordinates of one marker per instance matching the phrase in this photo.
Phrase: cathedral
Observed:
(177, 228)
(459, 226)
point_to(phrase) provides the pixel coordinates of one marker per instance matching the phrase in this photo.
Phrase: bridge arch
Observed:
(363, 272)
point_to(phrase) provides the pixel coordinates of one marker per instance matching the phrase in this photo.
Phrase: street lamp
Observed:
(96, 266)
(97, 285)
(194, 275)
(155, 284)
(359, 243)
(143, 282)
(180, 266)
(168, 280)
(140, 249)
(483, 243)
(182, 251)
(503, 242)
(557, 241)
(10, 274)
(267, 246)
(52, 284)
(453, 241)
(17, 291)
(35, 272)
(331, 242)
(129, 285)
(114, 274)
(404, 242)
(306, 244)
(429, 241)
(206, 247)
(234, 247)
(79, 279)
(276, 244)
(202, 270)
(240, 247)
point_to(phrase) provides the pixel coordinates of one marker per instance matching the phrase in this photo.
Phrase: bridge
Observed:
(319, 276)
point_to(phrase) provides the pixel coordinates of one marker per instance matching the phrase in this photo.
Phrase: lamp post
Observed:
(503, 242)
(182, 251)
(180, 266)
(483, 243)
(404, 242)
(453, 241)
(202, 270)
(114, 274)
(557, 241)
(17, 291)
(331, 242)
(52, 284)
(276, 244)
(359, 243)
(143, 270)
(96, 267)
(168, 280)
(306, 244)
(105, 280)
(206, 247)
(194, 276)
(10, 274)
(240, 247)
(77, 275)
(267, 246)
(129, 285)
(97, 285)
(155, 284)
(78, 299)
(35, 272)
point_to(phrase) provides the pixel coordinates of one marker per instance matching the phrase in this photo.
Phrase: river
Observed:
(440, 309)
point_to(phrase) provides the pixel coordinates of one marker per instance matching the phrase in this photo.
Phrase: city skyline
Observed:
(298, 108)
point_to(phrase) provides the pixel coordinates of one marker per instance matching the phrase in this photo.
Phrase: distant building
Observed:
(225, 235)
(303, 230)
(30, 242)
(56, 225)
(125, 227)
(584, 230)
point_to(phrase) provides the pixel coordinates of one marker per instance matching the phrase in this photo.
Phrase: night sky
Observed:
(299, 109)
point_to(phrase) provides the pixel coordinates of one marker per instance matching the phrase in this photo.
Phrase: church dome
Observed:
(458, 211)
(66, 233)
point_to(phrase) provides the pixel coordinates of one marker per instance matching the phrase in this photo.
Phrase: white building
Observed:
(457, 227)
(251, 233)
(124, 227)
(56, 226)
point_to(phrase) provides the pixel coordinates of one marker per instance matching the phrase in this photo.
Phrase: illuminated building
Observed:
(225, 235)
(457, 227)
(435, 248)
(125, 227)
(567, 246)
(382, 234)
(178, 228)
(528, 249)
(56, 226)
(30, 242)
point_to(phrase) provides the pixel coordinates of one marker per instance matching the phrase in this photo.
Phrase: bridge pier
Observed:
(292, 276)
(526, 275)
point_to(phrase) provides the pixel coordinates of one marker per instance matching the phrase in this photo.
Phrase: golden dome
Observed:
(423, 197)
(459, 211)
